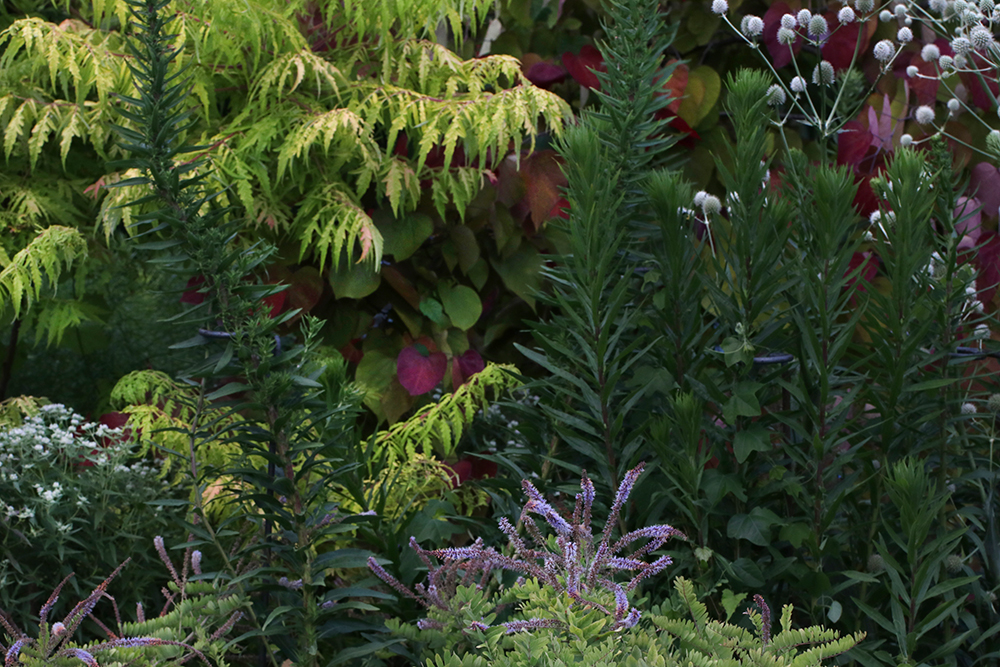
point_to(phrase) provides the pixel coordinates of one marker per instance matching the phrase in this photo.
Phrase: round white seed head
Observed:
(711, 205)
(960, 61)
(993, 142)
(938, 6)
(699, 198)
(930, 52)
(912, 71)
(823, 73)
(752, 26)
(798, 85)
(885, 16)
(775, 95)
(864, 6)
(986, 6)
(818, 26)
(924, 115)
(981, 37)
(908, 22)
(954, 104)
(884, 50)
(968, 409)
(788, 21)
(786, 36)
(804, 16)
(993, 403)
(961, 46)
(970, 17)
(846, 15)
(959, 6)
(720, 7)
(905, 35)
(946, 62)
(906, 140)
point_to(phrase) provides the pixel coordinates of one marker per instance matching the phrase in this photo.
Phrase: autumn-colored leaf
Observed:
(780, 54)
(839, 47)
(985, 185)
(420, 370)
(191, 294)
(540, 72)
(580, 66)
(543, 180)
(464, 366)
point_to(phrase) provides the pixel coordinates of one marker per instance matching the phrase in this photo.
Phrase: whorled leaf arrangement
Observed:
(583, 567)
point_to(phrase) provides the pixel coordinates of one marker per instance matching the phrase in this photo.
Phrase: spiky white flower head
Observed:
(699, 198)
(752, 26)
(906, 140)
(720, 7)
(912, 71)
(924, 115)
(938, 6)
(885, 16)
(803, 17)
(981, 37)
(900, 11)
(788, 22)
(993, 142)
(960, 61)
(981, 332)
(993, 403)
(995, 17)
(961, 46)
(946, 62)
(711, 205)
(818, 26)
(846, 15)
(968, 408)
(823, 73)
(986, 6)
(775, 95)
(786, 36)
(884, 51)
(876, 564)
(864, 6)
(875, 218)
(954, 104)
(798, 85)
(904, 35)
(930, 53)
(959, 6)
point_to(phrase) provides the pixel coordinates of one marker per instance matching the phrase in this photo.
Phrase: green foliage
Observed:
(46, 256)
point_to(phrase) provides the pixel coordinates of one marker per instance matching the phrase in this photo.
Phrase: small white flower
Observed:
(803, 17)
(720, 7)
(752, 26)
(788, 22)
(846, 15)
(699, 198)
(823, 73)
(981, 332)
(818, 26)
(905, 140)
(982, 38)
(885, 16)
(954, 104)
(875, 218)
(884, 50)
(786, 36)
(711, 205)
(775, 95)
(900, 10)
(864, 6)
(798, 85)
(905, 35)
(946, 62)
(930, 52)
(961, 46)
(912, 71)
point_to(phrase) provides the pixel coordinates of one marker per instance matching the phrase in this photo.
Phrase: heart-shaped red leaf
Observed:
(420, 370)
(464, 366)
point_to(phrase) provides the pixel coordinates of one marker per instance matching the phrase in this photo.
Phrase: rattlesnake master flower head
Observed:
(884, 51)
(786, 36)
(752, 26)
(789, 22)
(720, 7)
(993, 403)
(803, 17)
(981, 37)
(986, 6)
(930, 52)
(823, 73)
(954, 104)
(968, 408)
(699, 198)
(798, 84)
(711, 205)
(846, 15)
(904, 35)
(864, 6)
(961, 46)
(885, 16)
(818, 26)
(775, 95)
(993, 142)
(906, 140)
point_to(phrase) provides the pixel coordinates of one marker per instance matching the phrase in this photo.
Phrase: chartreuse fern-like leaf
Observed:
(440, 426)
(55, 249)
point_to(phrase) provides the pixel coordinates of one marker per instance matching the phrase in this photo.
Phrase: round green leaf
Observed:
(354, 281)
(462, 305)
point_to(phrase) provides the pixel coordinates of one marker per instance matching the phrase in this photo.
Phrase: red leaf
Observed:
(925, 89)
(544, 180)
(780, 54)
(191, 294)
(977, 93)
(580, 66)
(852, 143)
(969, 219)
(351, 352)
(985, 184)
(464, 366)
(840, 45)
(545, 75)
(987, 261)
(420, 370)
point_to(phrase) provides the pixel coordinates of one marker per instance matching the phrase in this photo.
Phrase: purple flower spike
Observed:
(80, 654)
(587, 496)
(11, 659)
(765, 620)
(531, 624)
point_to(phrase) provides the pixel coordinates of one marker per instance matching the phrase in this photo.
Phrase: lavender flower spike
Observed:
(532, 624)
(380, 572)
(765, 620)
(80, 654)
(11, 659)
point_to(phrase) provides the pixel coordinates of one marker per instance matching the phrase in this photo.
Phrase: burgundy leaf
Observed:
(985, 184)
(420, 370)
(191, 294)
(839, 46)
(545, 75)
(968, 217)
(580, 66)
(780, 54)
(464, 366)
